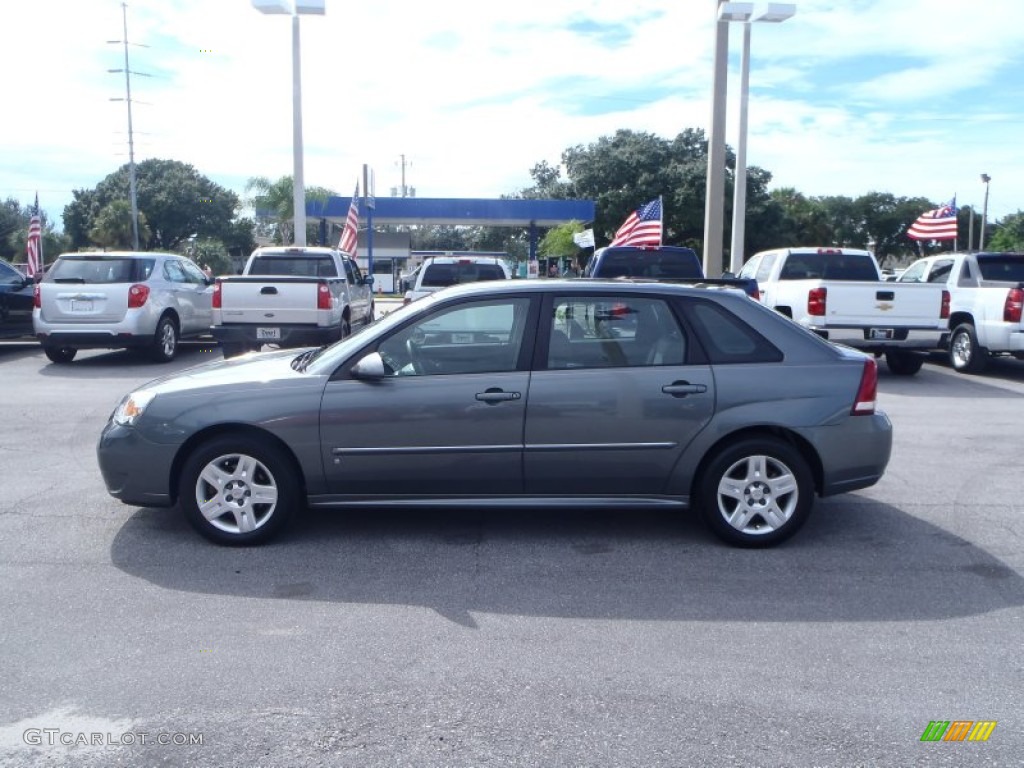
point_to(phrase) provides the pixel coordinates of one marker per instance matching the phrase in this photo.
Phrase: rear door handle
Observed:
(684, 388)
(268, 290)
(495, 395)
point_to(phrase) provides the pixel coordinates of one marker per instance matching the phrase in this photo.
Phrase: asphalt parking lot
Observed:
(508, 638)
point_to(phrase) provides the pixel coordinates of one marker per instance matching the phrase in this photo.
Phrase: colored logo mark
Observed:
(958, 730)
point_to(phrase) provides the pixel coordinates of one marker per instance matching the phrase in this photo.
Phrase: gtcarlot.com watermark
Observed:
(52, 737)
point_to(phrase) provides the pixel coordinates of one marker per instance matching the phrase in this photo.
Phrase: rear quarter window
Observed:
(727, 338)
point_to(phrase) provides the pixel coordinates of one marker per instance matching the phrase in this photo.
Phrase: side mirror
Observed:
(369, 368)
(368, 280)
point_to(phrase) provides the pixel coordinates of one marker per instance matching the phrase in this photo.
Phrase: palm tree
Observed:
(274, 204)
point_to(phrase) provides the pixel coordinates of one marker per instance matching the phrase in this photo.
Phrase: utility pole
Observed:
(132, 187)
(403, 163)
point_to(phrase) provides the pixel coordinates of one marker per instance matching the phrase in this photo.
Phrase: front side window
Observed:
(914, 273)
(472, 337)
(608, 332)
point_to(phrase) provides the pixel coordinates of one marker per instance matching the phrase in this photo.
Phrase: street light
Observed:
(985, 179)
(715, 188)
(295, 9)
(773, 12)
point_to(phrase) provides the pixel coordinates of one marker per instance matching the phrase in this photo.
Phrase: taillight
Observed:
(37, 301)
(867, 393)
(1013, 305)
(137, 295)
(816, 300)
(217, 290)
(944, 312)
(323, 295)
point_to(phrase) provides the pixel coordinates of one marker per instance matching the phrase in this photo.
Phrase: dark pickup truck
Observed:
(664, 263)
(17, 294)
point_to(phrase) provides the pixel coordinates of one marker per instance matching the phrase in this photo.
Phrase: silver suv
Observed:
(120, 300)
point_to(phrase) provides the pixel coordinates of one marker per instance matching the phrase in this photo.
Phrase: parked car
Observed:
(986, 317)
(291, 296)
(664, 263)
(438, 272)
(17, 294)
(121, 300)
(480, 395)
(839, 294)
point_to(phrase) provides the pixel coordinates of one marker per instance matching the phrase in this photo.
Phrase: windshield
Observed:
(442, 275)
(100, 269)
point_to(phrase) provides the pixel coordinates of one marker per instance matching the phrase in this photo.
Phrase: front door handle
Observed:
(496, 395)
(684, 388)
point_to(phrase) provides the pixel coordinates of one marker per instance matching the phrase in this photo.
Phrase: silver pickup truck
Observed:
(291, 297)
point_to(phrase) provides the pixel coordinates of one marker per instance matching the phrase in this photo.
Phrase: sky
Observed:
(916, 98)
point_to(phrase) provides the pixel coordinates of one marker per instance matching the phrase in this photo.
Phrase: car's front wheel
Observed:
(60, 354)
(238, 490)
(165, 340)
(756, 492)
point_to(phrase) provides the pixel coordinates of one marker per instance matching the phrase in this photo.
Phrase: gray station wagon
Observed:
(120, 300)
(563, 393)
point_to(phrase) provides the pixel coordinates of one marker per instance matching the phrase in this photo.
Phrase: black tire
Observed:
(346, 328)
(232, 349)
(60, 355)
(903, 363)
(756, 492)
(965, 354)
(222, 474)
(165, 340)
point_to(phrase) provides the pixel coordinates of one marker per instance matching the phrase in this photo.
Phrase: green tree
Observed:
(112, 227)
(1008, 234)
(14, 222)
(274, 206)
(176, 200)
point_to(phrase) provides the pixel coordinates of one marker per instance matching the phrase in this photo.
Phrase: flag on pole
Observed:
(34, 246)
(939, 224)
(350, 235)
(584, 239)
(641, 227)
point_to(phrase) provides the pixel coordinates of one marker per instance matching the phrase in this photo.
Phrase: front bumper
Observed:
(136, 471)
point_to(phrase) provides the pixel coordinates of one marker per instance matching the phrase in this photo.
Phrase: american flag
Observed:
(939, 224)
(641, 227)
(34, 246)
(350, 235)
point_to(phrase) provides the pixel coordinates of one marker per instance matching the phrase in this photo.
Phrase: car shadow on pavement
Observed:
(127, 363)
(856, 561)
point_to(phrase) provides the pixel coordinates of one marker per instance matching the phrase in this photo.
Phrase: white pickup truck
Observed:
(986, 305)
(839, 294)
(291, 297)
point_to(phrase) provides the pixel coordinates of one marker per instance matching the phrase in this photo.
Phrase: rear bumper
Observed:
(93, 340)
(290, 335)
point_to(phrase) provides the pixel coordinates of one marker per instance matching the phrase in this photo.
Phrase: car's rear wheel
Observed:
(965, 354)
(165, 340)
(902, 363)
(60, 354)
(756, 492)
(238, 490)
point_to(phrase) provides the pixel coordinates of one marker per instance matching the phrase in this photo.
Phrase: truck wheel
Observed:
(60, 354)
(346, 329)
(756, 492)
(965, 354)
(232, 349)
(904, 363)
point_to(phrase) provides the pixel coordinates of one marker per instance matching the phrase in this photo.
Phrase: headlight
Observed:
(132, 407)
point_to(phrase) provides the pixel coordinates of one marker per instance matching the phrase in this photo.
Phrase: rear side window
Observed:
(100, 269)
(727, 338)
(1005, 267)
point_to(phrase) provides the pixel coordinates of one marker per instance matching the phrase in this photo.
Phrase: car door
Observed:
(616, 395)
(16, 299)
(359, 294)
(447, 418)
(201, 297)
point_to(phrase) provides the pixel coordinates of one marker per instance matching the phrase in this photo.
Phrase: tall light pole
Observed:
(295, 9)
(985, 179)
(774, 12)
(715, 188)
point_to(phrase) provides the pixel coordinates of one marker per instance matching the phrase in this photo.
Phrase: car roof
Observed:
(585, 286)
(121, 254)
